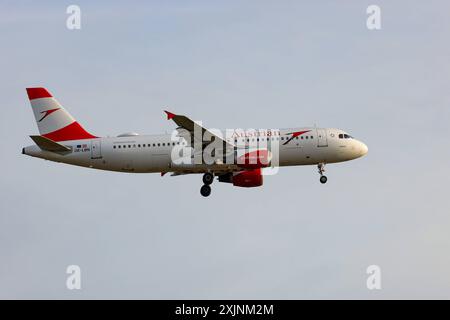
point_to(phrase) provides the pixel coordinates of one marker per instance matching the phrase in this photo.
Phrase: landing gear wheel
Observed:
(205, 190)
(208, 178)
(321, 167)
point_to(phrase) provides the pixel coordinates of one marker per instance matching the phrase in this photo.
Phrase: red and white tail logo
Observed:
(53, 121)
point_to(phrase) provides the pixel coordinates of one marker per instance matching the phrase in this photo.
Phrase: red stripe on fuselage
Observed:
(73, 131)
(295, 135)
(299, 133)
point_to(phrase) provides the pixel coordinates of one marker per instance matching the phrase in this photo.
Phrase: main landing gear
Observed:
(208, 178)
(321, 167)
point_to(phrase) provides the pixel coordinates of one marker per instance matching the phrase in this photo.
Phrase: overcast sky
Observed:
(243, 64)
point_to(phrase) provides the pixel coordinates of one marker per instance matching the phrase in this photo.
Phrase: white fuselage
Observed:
(153, 153)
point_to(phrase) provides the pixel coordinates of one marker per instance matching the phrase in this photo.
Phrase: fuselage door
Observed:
(96, 149)
(322, 140)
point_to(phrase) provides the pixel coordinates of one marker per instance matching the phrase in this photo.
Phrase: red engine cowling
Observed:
(248, 179)
(255, 159)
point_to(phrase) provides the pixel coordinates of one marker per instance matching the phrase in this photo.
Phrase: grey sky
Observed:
(230, 64)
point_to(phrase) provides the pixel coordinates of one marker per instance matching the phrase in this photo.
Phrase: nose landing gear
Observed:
(208, 178)
(321, 167)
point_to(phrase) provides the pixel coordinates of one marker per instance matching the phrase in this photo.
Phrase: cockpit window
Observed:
(345, 136)
(341, 136)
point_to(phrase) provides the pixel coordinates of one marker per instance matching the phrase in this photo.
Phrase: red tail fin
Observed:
(53, 121)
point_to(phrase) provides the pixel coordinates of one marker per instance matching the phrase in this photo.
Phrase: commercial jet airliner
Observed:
(234, 156)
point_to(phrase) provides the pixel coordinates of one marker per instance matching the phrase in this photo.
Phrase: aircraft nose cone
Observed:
(363, 149)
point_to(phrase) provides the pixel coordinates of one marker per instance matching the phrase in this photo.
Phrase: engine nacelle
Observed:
(254, 159)
(248, 179)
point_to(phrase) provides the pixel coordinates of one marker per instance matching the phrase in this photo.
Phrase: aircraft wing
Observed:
(206, 135)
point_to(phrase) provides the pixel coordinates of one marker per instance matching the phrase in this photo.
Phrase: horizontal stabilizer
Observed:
(48, 144)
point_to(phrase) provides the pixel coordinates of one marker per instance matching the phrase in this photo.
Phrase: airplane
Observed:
(237, 156)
